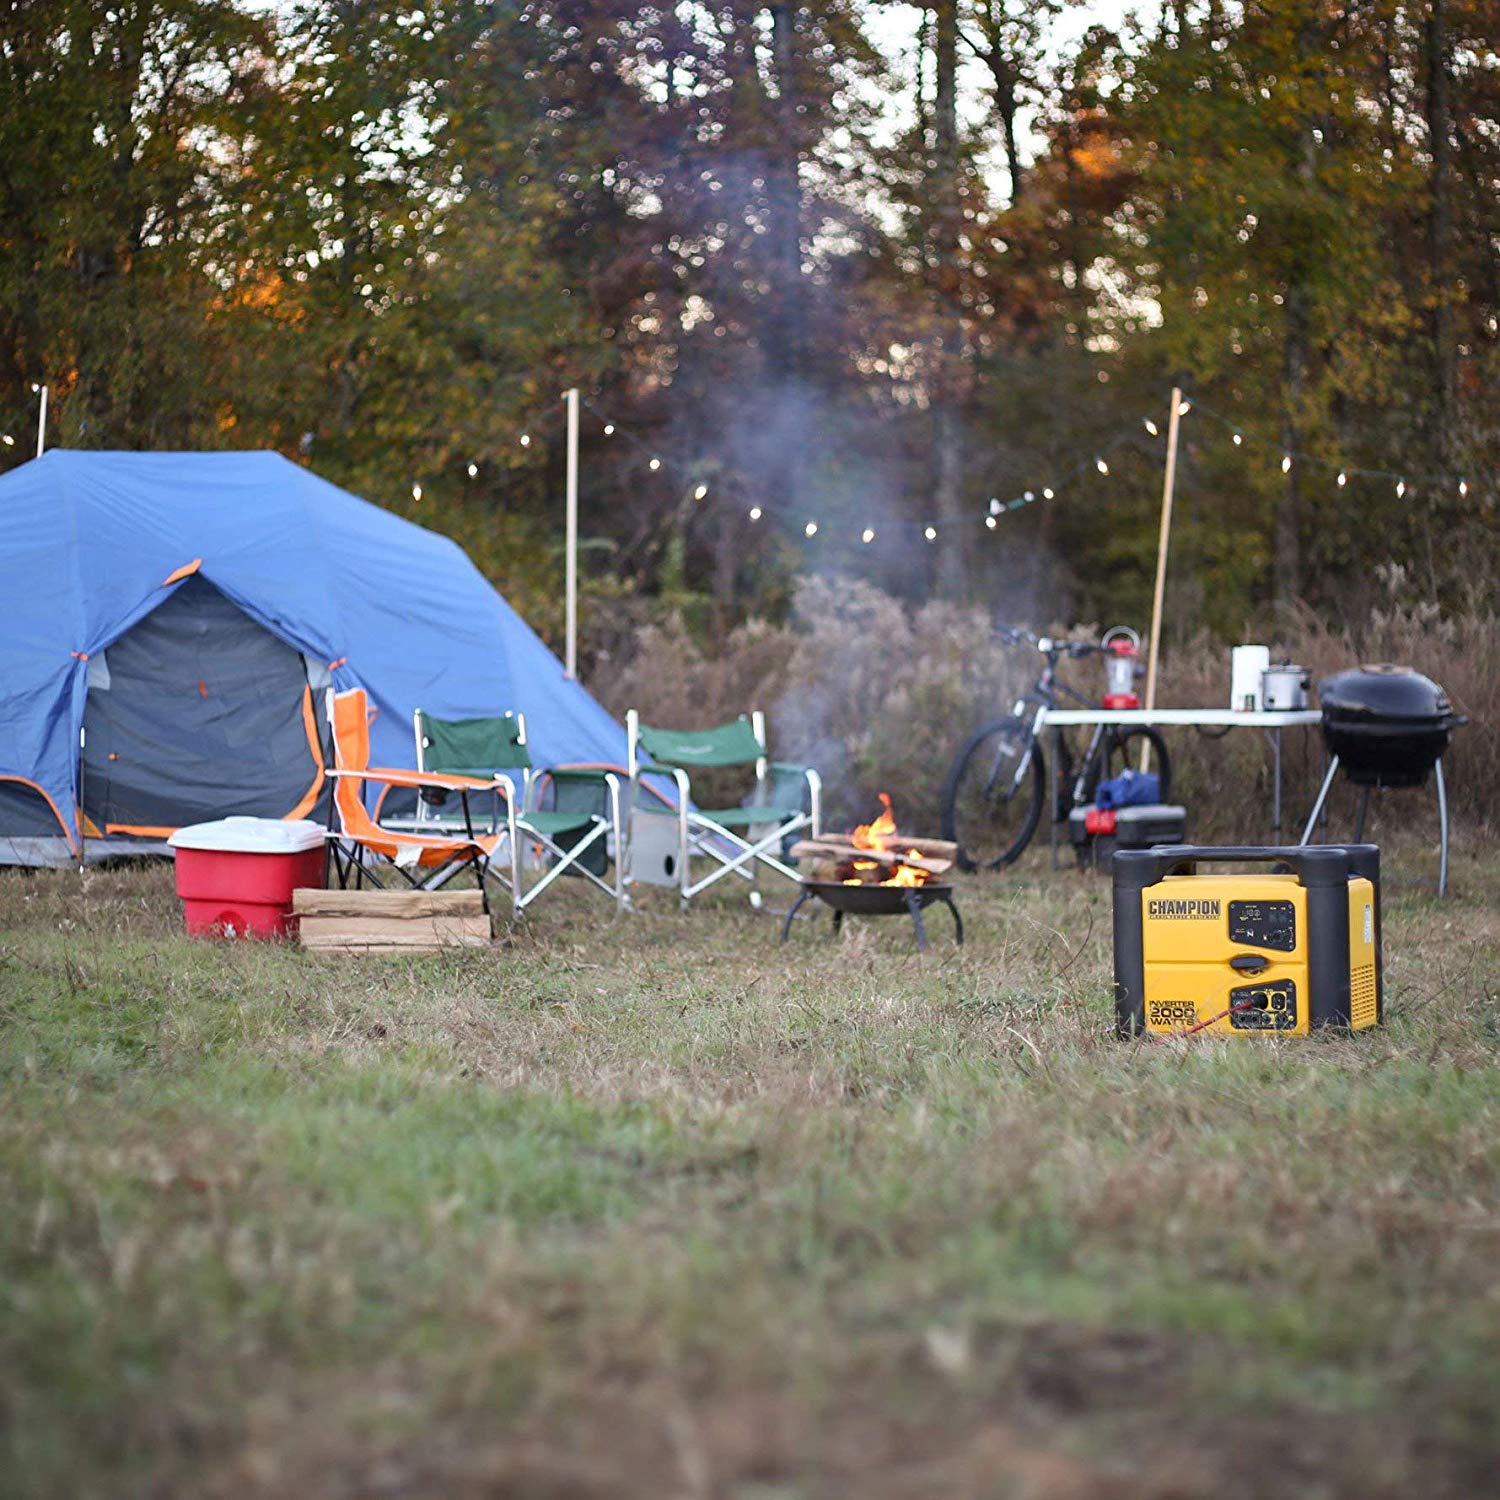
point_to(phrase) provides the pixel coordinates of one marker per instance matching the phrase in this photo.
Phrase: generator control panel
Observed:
(1264, 924)
(1264, 1007)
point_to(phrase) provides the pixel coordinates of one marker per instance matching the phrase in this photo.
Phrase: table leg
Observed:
(1052, 801)
(1276, 782)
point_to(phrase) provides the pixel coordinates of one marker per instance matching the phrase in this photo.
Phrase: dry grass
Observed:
(659, 1208)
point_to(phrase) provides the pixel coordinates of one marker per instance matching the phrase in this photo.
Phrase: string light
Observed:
(1029, 496)
(416, 492)
(867, 535)
(654, 465)
(525, 439)
(609, 429)
(1184, 408)
(1286, 462)
(1048, 494)
(473, 470)
(700, 492)
(8, 440)
(995, 506)
(1400, 488)
(1343, 479)
(811, 529)
(1463, 484)
(1102, 467)
(755, 512)
(1151, 427)
(930, 533)
(1239, 438)
(991, 522)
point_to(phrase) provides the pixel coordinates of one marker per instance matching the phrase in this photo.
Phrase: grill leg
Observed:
(1442, 796)
(786, 927)
(958, 921)
(1359, 822)
(915, 908)
(838, 922)
(1312, 821)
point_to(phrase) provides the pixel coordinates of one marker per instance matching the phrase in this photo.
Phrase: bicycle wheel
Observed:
(993, 797)
(1121, 749)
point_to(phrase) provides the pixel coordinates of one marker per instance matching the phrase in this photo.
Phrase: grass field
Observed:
(659, 1209)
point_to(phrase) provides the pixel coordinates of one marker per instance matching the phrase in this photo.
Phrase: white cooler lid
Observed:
(252, 835)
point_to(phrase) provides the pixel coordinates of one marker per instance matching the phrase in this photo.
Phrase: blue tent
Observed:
(185, 611)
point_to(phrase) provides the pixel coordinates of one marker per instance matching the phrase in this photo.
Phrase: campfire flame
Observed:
(881, 835)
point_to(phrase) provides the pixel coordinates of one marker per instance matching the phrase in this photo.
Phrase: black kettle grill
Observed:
(1386, 726)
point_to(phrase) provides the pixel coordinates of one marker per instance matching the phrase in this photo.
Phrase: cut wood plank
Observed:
(929, 848)
(454, 930)
(821, 849)
(387, 903)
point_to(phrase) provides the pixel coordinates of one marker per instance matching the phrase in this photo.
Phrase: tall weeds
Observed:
(879, 697)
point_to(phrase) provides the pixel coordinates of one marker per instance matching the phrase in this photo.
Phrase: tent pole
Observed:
(41, 425)
(571, 650)
(1169, 483)
(82, 742)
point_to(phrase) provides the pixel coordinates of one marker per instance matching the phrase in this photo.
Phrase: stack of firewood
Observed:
(835, 857)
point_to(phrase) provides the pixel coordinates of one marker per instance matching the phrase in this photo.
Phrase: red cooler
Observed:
(236, 876)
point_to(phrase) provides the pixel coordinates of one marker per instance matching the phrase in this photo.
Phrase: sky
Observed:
(893, 28)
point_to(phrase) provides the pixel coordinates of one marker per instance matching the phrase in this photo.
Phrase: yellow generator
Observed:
(1275, 952)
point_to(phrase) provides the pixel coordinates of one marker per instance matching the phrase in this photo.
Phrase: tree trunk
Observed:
(948, 431)
(1288, 562)
(1440, 233)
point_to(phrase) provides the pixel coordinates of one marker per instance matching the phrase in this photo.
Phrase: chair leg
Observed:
(1359, 820)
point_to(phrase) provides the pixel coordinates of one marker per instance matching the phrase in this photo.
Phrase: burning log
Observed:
(876, 854)
(888, 859)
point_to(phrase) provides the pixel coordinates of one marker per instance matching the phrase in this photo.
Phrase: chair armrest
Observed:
(396, 776)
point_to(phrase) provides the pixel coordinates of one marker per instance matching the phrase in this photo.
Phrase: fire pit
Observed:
(876, 872)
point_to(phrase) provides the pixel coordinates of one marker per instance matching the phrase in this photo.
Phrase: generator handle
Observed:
(1313, 865)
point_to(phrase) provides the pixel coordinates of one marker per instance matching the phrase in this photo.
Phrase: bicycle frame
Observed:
(1028, 709)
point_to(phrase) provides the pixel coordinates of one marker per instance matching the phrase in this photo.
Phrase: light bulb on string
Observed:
(1286, 462)
(473, 470)
(1238, 439)
(811, 529)
(8, 440)
(1463, 484)
(1400, 488)
(755, 512)
(1151, 427)
(1029, 496)
(654, 465)
(416, 492)
(995, 507)
(609, 429)
(1048, 493)
(1184, 408)
(700, 492)
(1102, 467)
(991, 522)
(1343, 479)
(867, 535)
(931, 533)
(525, 439)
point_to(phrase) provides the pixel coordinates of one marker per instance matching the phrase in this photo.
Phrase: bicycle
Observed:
(997, 784)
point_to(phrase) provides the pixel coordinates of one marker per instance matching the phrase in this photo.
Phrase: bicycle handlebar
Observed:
(1017, 634)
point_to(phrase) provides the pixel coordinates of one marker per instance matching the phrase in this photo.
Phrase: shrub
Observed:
(879, 697)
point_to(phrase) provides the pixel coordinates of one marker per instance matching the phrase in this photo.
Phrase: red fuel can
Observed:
(235, 877)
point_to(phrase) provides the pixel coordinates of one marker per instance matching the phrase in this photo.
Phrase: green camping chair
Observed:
(569, 812)
(785, 798)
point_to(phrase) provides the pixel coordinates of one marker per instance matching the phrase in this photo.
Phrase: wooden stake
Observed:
(570, 632)
(1169, 483)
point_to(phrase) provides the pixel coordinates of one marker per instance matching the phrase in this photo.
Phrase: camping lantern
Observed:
(1122, 656)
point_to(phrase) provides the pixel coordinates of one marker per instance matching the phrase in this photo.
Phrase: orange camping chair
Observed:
(364, 847)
